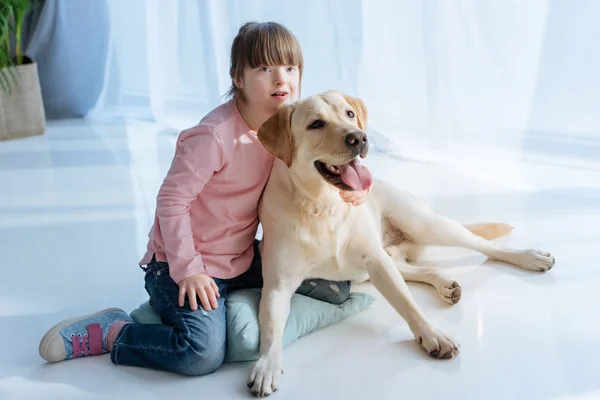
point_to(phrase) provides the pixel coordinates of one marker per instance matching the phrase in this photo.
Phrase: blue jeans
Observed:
(193, 342)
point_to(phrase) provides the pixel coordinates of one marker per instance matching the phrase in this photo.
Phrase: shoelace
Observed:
(87, 344)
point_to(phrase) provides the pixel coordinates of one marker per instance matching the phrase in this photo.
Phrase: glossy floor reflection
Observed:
(76, 205)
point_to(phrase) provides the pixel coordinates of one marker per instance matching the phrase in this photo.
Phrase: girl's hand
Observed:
(354, 197)
(201, 286)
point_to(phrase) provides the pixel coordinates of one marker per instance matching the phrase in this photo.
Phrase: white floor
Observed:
(76, 205)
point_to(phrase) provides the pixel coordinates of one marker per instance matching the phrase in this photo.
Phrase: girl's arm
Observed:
(198, 155)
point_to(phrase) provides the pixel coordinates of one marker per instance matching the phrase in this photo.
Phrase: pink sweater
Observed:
(207, 207)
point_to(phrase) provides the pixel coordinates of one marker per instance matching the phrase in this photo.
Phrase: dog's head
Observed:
(322, 137)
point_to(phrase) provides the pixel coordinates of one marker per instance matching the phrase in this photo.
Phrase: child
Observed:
(202, 242)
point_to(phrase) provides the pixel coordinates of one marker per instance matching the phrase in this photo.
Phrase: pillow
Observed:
(306, 315)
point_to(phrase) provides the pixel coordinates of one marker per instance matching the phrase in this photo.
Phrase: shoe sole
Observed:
(55, 330)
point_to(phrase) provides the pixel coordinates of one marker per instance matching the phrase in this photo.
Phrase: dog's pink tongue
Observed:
(357, 176)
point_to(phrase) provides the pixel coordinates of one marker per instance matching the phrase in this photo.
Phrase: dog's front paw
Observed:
(264, 377)
(437, 344)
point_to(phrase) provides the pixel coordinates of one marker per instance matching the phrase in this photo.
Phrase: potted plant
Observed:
(21, 106)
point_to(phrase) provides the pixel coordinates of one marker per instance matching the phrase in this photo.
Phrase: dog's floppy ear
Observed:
(276, 134)
(361, 110)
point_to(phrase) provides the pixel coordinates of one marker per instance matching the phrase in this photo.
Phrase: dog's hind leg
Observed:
(447, 287)
(438, 230)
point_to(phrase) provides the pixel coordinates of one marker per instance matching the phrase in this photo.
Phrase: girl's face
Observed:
(270, 87)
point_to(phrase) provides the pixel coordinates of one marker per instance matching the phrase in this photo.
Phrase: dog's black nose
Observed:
(357, 141)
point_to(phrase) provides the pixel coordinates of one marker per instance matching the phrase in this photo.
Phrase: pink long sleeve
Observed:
(198, 156)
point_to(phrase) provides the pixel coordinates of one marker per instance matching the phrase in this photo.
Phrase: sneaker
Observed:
(80, 337)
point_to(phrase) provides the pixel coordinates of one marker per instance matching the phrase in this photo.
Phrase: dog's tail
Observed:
(490, 231)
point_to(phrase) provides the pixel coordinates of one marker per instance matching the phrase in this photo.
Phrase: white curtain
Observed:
(440, 78)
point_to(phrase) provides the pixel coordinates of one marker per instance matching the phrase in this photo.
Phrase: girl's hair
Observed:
(265, 43)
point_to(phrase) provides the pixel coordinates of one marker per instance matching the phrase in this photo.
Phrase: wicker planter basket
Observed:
(22, 108)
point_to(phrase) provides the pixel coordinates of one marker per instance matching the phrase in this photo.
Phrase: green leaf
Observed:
(12, 15)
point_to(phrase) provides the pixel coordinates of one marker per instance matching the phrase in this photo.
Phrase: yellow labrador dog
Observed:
(310, 232)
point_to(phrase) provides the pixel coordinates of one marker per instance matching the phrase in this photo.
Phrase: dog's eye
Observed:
(350, 113)
(316, 124)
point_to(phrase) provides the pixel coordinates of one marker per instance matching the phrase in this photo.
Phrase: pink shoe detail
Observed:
(86, 345)
(95, 339)
(80, 345)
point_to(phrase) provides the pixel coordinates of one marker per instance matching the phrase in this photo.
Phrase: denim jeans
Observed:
(193, 342)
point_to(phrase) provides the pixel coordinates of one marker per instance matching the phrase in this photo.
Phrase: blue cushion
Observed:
(306, 315)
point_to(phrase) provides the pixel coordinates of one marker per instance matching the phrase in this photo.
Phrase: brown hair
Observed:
(265, 43)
